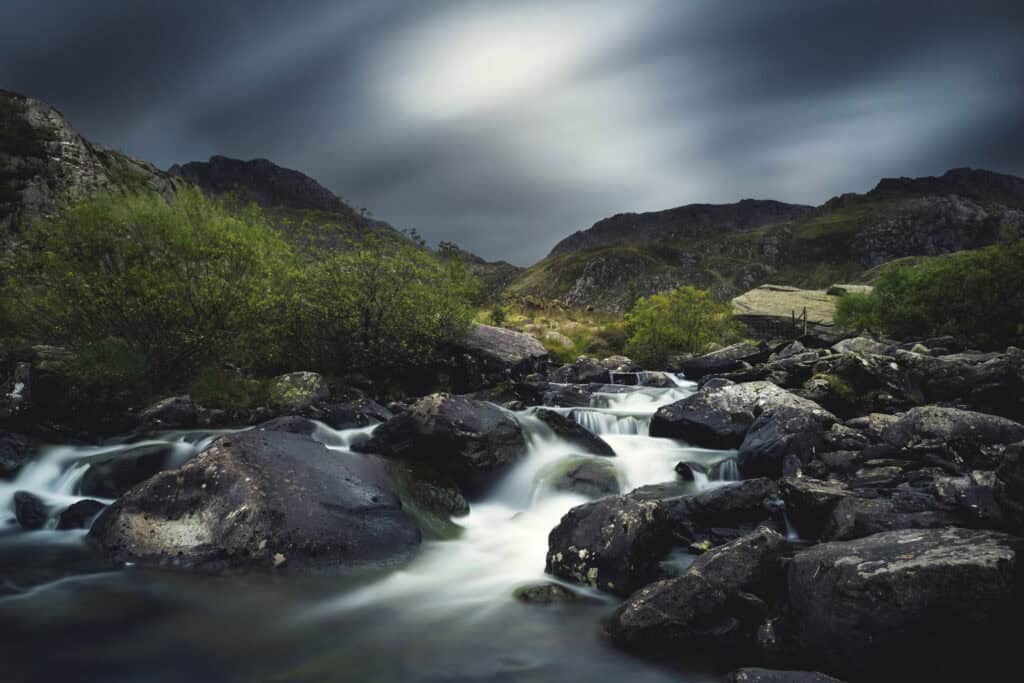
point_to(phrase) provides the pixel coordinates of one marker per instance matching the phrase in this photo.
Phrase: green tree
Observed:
(684, 320)
(498, 314)
(178, 284)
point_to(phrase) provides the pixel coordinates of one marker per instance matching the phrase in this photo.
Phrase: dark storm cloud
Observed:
(506, 125)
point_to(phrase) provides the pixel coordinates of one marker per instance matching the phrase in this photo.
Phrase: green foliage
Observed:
(224, 389)
(378, 306)
(180, 283)
(977, 296)
(684, 320)
(498, 314)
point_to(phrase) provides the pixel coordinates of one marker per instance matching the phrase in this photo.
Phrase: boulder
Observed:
(864, 346)
(568, 429)
(782, 438)
(349, 415)
(261, 500)
(545, 593)
(79, 514)
(297, 390)
(111, 474)
(718, 603)
(176, 412)
(292, 424)
(590, 477)
(30, 510)
(13, 454)
(613, 544)
(720, 417)
(472, 441)
(724, 360)
(567, 395)
(585, 370)
(756, 675)
(1009, 486)
(906, 603)
(489, 355)
(810, 502)
(718, 514)
(959, 437)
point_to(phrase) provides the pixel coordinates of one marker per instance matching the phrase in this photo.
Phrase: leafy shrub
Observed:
(977, 296)
(684, 320)
(498, 314)
(218, 388)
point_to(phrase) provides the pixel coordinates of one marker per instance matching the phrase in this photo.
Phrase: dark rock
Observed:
(585, 476)
(781, 433)
(684, 471)
(177, 412)
(717, 604)
(568, 429)
(755, 675)
(613, 544)
(78, 515)
(738, 507)
(1009, 486)
(111, 474)
(956, 436)
(351, 414)
(715, 383)
(810, 502)
(30, 510)
(585, 370)
(471, 441)
(906, 603)
(724, 360)
(865, 346)
(262, 500)
(13, 454)
(720, 418)
(567, 395)
(545, 594)
(491, 355)
(293, 424)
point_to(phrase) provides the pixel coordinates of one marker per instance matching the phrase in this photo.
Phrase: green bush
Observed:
(977, 296)
(218, 388)
(498, 314)
(684, 320)
(178, 284)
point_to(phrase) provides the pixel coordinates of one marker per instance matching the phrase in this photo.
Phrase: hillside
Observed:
(836, 242)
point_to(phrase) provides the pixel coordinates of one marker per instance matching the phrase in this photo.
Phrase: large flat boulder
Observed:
(724, 360)
(262, 500)
(474, 442)
(906, 603)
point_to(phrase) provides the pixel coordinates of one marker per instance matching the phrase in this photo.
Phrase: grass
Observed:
(565, 332)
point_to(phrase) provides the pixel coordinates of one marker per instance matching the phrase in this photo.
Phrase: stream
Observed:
(449, 615)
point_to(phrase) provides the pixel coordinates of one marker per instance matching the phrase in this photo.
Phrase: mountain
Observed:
(494, 276)
(43, 161)
(732, 248)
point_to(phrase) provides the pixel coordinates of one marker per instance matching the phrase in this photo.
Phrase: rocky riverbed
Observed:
(827, 507)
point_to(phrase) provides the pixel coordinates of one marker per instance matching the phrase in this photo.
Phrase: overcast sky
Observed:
(505, 126)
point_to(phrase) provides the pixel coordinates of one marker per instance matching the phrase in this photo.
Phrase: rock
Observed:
(505, 352)
(956, 436)
(78, 515)
(30, 510)
(571, 395)
(471, 441)
(724, 360)
(261, 500)
(684, 471)
(111, 474)
(718, 514)
(177, 412)
(293, 424)
(721, 417)
(906, 603)
(13, 454)
(298, 390)
(1009, 486)
(613, 544)
(619, 364)
(349, 415)
(544, 594)
(568, 429)
(864, 346)
(431, 498)
(586, 476)
(585, 370)
(779, 434)
(716, 604)
(755, 675)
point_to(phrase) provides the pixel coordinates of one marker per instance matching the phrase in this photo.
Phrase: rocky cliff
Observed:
(728, 252)
(43, 161)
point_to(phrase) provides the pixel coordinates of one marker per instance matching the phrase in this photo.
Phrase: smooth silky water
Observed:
(447, 616)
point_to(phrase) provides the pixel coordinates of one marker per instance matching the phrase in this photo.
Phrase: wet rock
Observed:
(619, 364)
(720, 418)
(293, 424)
(906, 603)
(350, 414)
(1009, 487)
(724, 360)
(756, 675)
(30, 510)
(298, 390)
(111, 474)
(177, 412)
(613, 544)
(810, 502)
(718, 514)
(586, 476)
(567, 395)
(545, 594)
(782, 433)
(262, 500)
(585, 370)
(717, 604)
(471, 441)
(571, 431)
(956, 436)
(685, 471)
(13, 454)
(78, 515)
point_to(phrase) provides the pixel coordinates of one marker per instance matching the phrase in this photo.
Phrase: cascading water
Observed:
(447, 615)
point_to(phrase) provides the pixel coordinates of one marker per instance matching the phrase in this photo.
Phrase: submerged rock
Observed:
(472, 441)
(545, 594)
(591, 477)
(571, 431)
(906, 603)
(30, 510)
(261, 500)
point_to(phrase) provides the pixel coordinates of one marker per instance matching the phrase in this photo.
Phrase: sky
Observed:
(505, 126)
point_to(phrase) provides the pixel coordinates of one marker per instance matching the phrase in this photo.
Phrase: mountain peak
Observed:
(975, 184)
